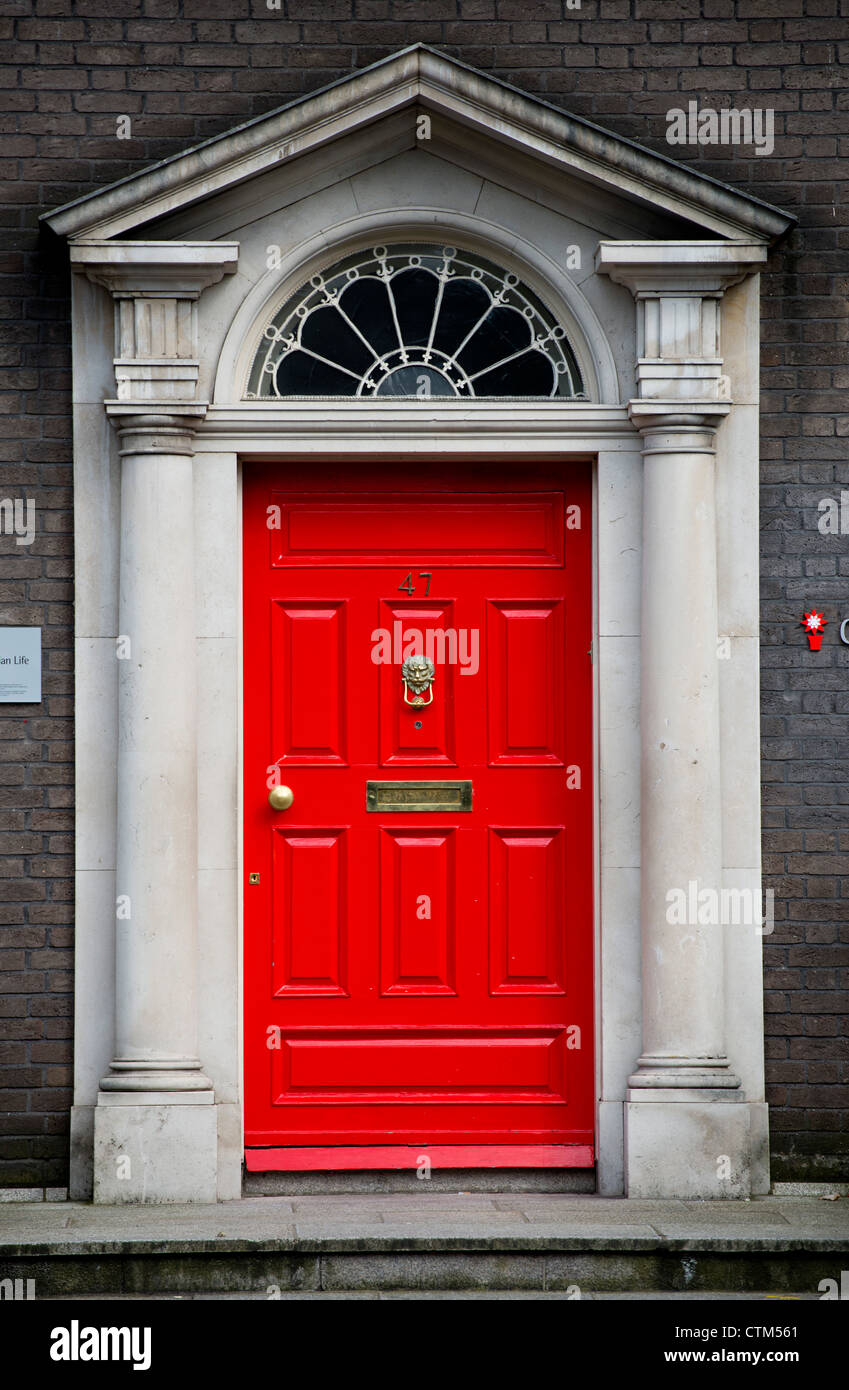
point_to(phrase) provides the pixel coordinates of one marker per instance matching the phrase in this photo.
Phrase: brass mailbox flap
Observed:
(418, 796)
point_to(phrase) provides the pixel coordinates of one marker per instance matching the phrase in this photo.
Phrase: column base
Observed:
(690, 1073)
(176, 1074)
(155, 1149)
(694, 1149)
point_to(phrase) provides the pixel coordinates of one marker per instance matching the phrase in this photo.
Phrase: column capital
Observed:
(689, 425)
(155, 286)
(155, 431)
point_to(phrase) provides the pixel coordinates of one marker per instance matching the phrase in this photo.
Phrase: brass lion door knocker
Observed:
(417, 675)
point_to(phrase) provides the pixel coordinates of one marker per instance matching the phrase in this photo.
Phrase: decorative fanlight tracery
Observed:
(415, 321)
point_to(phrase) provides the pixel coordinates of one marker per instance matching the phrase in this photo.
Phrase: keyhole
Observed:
(418, 723)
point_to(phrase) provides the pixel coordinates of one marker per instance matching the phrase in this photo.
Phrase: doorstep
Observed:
(462, 1241)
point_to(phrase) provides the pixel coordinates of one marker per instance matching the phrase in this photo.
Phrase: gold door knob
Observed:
(281, 798)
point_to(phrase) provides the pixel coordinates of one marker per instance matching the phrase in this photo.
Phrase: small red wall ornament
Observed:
(814, 623)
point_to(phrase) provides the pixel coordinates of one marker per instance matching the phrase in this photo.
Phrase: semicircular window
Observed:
(418, 321)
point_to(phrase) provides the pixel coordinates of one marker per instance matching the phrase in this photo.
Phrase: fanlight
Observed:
(416, 321)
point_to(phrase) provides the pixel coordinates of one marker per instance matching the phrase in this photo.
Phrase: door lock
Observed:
(280, 798)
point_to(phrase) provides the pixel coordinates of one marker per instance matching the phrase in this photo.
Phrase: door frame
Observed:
(605, 438)
(161, 413)
(385, 1157)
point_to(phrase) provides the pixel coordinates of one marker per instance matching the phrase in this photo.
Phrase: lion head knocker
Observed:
(417, 674)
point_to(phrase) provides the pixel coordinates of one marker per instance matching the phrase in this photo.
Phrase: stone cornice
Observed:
(679, 267)
(174, 269)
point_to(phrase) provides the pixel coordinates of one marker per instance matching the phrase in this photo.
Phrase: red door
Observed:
(418, 957)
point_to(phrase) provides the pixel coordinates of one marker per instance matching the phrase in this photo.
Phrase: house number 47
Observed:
(410, 587)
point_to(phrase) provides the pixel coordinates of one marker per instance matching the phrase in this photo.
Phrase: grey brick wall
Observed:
(186, 69)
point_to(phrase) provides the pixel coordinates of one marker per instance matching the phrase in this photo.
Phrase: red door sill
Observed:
(407, 1156)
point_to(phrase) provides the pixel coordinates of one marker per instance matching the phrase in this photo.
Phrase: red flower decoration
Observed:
(814, 624)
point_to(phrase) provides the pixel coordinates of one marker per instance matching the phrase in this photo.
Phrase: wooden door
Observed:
(418, 959)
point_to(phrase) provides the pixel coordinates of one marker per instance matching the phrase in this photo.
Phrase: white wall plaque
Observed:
(20, 665)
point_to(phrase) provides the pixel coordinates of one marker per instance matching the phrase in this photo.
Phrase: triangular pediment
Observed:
(473, 118)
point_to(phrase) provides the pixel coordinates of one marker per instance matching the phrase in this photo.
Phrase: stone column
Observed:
(680, 787)
(155, 1129)
(687, 1127)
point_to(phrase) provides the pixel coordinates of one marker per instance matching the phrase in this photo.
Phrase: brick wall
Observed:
(183, 70)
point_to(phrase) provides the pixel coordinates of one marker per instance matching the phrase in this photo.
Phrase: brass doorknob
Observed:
(280, 798)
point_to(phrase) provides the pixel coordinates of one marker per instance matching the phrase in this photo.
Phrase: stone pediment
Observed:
(419, 99)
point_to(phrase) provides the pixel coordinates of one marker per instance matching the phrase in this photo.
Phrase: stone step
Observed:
(455, 1180)
(272, 1272)
(406, 1295)
(530, 1243)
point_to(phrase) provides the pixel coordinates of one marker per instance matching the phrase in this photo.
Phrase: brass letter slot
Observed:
(418, 796)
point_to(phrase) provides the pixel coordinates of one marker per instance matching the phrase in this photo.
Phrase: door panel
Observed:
(418, 976)
(309, 907)
(527, 911)
(418, 903)
(308, 716)
(525, 665)
(401, 743)
(518, 528)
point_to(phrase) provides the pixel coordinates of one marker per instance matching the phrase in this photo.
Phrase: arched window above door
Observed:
(415, 320)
